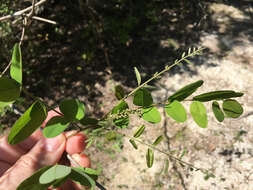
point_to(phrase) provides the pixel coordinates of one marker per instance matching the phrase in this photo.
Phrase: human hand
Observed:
(20, 161)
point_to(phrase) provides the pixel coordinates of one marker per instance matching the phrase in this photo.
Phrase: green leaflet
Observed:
(142, 97)
(133, 143)
(32, 182)
(139, 131)
(16, 64)
(185, 91)
(119, 92)
(219, 115)
(176, 111)
(151, 115)
(84, 176)
(54, 173)
(217, 95)
(89, 121)
(72, 109)
(149, 157)
(138, 76)
(28, 123)
(232, 108)
(198, 112)
(55, 126)
(9, 89)
(158, 140)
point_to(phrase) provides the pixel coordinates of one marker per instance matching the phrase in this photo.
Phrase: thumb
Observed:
(46, 151)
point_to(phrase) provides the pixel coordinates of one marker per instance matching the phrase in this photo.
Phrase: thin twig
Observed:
(166, 153)
(5, 69)
(44, 20)
(19, 13)
(163, 71)
(32, 11)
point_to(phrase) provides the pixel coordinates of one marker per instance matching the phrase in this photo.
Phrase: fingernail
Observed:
(52, 144)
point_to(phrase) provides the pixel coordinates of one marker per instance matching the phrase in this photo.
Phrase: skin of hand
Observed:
(18, 162)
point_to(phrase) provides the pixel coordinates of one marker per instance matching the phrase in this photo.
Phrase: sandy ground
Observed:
(223, 148)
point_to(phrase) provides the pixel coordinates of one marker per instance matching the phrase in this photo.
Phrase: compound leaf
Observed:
(217, 95)
(198, 112)
(151, 115)
(176, 111)
(72, 109)
(186, 91)
(232, 108)
(16, 64)
(9, 89)
(142, 97)
(219, 115)
(28, 123)
(55, 126)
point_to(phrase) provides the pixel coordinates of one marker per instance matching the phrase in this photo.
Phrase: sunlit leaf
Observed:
(138, 76)
(217, 95)
(198, 112)
(133, 143)
(54, 173)
(28, 123)
(151, 115)
(55, 126)
(3, 104)
(72, 109)
(232, 108)
(176, 111)
(16, 64)
(32, 183)
(158, 140)
(142, 97)
(9, 89)
(219, 115)
(119, 92)
(149, 157)
(185, 91)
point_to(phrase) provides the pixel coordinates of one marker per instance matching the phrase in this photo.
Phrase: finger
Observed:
(27, 144)
(45, 152)
(9, 153)
(4, 166)
(50, 114)
(82, 159)
(76, 144)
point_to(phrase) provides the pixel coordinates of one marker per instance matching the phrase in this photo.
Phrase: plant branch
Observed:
(167, 68)
(166, 153)
(19, 13)
(44, 20)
